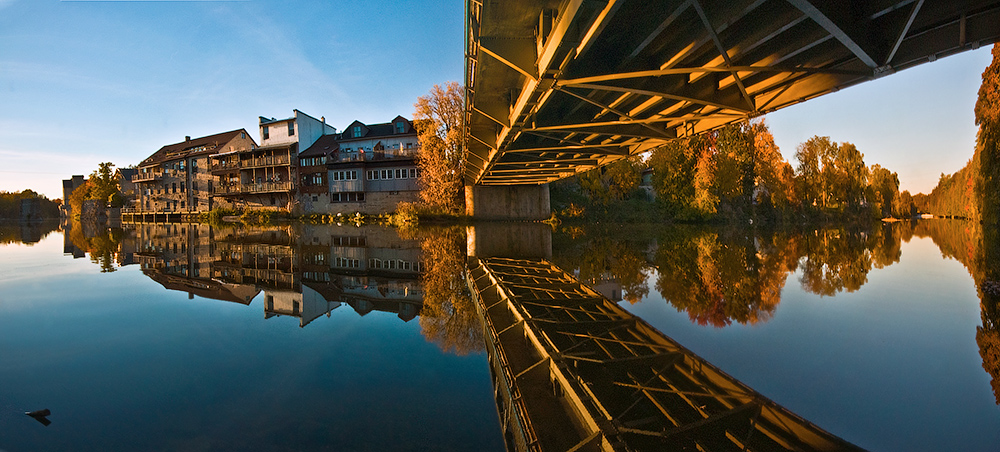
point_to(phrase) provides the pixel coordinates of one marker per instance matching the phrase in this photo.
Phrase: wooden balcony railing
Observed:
(260, 162)
(260, 187)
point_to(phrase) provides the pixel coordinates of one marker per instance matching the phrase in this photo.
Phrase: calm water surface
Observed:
(185, 337)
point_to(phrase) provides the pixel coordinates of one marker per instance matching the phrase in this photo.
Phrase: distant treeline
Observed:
(738, 173)
(10, 205)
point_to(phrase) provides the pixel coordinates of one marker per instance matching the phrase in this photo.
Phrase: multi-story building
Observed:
(178, 178)
(369, 169)
(68, 186)
(266, 176)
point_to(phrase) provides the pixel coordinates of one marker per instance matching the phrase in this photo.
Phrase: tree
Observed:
(673, 168)
(883, 189)
(851, 175)
(988, 141)
(814, 156)
(439, 118)
(613, 182)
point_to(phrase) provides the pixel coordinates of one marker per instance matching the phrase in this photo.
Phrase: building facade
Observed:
(266, 177)
(178, 178)
(366, 168)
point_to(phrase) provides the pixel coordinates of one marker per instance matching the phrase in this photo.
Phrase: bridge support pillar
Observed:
(508, 202)
(509, 239)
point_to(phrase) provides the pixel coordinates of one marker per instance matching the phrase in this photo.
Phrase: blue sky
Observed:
(83, 82)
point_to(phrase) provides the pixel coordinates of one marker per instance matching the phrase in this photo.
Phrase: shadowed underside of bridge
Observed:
(574, 371)
(560, 87)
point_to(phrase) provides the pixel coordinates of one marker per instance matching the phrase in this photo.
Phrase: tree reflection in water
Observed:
(100, 242)
(448, 317)
(721, 275)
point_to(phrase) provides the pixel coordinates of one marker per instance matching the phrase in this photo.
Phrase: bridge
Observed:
(558, 87)
(574, 371)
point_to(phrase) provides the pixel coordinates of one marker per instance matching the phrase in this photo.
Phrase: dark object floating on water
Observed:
(40, 416)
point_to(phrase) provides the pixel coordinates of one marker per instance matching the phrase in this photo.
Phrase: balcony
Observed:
(259, 162)
(146, 177)
(261, 187)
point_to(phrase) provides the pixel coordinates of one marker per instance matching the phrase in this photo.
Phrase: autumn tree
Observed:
(987, 184)
(439, 118)
(448, 317)
(987, 112)
(775, 178)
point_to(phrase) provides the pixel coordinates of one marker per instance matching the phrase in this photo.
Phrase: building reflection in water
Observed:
(303, 272)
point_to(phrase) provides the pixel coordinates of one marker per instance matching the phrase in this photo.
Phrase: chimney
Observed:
(187, 138)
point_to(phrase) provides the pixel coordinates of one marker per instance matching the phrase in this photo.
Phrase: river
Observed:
(340, 337)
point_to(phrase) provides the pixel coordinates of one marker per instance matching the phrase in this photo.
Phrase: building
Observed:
(68, 186)
(178, 178)
(265, 177)
(368, 169)
(123, 177)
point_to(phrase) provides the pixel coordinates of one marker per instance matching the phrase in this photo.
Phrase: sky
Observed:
(84, 82)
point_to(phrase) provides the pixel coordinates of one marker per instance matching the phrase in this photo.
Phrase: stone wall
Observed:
(375, 203)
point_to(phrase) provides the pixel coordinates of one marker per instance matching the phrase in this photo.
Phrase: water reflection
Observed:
(27, 232)
(302, 272)
(721, 275)
(575, 371)
(717, 276)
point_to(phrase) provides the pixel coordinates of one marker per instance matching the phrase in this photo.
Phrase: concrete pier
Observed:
(508, 202)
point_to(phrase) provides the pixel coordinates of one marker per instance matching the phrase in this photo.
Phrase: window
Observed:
(291, 128)
(315, 198)
(398, 176)
(265, 133)
(173, 187)
(317, 179)
(182, 204)
(413, 173)
(243, 135)
(400, 127)
(182, 187)
(357, 131)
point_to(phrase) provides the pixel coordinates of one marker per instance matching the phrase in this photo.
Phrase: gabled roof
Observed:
(385, 129)
(204, 145)
(127, 173)
(322, 147)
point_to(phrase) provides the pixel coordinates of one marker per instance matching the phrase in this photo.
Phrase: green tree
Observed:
(613, 182)
(851, 176)
(882, 192)
(673, 168)
(814, 156)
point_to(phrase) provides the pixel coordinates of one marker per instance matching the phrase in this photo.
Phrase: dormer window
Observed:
(291, 128)
(400, 127)
(357, 131)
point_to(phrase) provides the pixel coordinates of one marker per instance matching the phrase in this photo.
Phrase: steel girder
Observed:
(554, 88)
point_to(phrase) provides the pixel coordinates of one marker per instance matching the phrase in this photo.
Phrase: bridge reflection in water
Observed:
(573, 371)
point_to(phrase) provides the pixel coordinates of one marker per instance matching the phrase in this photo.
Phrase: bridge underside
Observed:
(559, 87)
